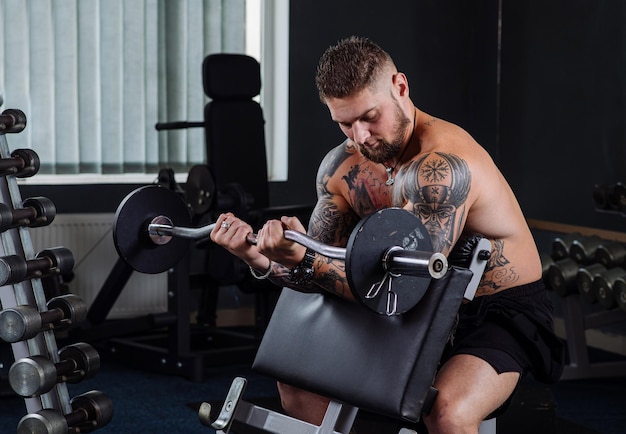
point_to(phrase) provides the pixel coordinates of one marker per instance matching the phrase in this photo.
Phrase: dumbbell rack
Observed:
(29, 292)
(576, 321)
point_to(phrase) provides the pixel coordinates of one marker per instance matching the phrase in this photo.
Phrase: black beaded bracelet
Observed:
(303, 272)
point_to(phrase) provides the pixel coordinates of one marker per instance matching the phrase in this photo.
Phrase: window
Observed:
(93, 78)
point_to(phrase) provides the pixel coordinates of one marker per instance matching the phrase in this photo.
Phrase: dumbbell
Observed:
(619, 292)
(35, 375)
(23, 163)
(600, 196)
(603, 286)
(610, 198)
(584, 281)
(36, 211)
(24, 322)
(583, 249)
(562, 244)
(562, 276)
(56, 260)
(90, 411)
(12, 121)
(611, 254)
(617, 197)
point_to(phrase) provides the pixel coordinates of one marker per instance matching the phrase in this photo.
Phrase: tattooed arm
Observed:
(331, 223)
(332, 226)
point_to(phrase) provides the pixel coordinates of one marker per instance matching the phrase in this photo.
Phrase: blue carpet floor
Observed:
(154, 403)
(148, 403)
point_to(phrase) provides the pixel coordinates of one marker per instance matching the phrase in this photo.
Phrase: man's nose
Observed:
(361, 133)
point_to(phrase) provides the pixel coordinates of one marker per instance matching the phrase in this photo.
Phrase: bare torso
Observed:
(451, 183)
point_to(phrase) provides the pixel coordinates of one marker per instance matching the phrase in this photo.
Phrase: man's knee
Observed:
(289, 396)
(449, 416)
(301, 404)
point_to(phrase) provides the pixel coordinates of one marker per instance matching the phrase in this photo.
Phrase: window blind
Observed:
(94, 76)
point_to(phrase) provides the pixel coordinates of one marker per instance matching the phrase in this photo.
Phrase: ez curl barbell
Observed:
(389, 258)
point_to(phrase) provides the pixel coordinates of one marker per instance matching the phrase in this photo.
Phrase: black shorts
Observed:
(511, 330)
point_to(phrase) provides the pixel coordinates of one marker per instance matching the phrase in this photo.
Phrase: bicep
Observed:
(332, 218)
(332, 221)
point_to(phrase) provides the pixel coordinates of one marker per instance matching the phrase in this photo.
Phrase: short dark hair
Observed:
(349, 67)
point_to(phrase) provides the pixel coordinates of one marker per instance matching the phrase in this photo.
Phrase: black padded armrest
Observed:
(341, 350)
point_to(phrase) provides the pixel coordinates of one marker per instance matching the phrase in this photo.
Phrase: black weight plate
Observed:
(130, 229)
(369, 242)
(200, 189)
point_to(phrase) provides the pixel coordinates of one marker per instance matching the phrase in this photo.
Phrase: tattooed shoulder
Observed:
(335, 157)
(436, 185)
(331, 162)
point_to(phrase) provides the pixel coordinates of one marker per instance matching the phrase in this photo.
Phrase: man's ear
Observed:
(401, 84)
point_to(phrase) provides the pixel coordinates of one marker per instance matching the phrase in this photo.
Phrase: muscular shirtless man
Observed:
(397, 155)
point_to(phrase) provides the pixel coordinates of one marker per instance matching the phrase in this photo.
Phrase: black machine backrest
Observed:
(234, 124)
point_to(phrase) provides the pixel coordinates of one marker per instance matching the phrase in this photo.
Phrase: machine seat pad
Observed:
(382, 364)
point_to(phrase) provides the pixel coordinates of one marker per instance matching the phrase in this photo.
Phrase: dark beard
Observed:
(388, 150)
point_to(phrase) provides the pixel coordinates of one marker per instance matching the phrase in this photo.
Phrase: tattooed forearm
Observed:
(499, 272)
(334, 280)
(331, 226)
(280, 277)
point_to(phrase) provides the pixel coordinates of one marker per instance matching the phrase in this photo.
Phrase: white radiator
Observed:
(90, 238)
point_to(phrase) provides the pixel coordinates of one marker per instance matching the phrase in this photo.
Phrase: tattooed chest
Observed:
(365, 190)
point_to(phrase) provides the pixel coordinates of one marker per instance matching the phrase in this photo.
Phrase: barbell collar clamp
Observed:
(160, 230)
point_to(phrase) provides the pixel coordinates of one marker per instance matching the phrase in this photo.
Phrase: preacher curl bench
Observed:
(384, 364)
(380, 355)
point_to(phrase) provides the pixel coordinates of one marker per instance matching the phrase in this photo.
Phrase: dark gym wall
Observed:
(563, 114)
(448, 50)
